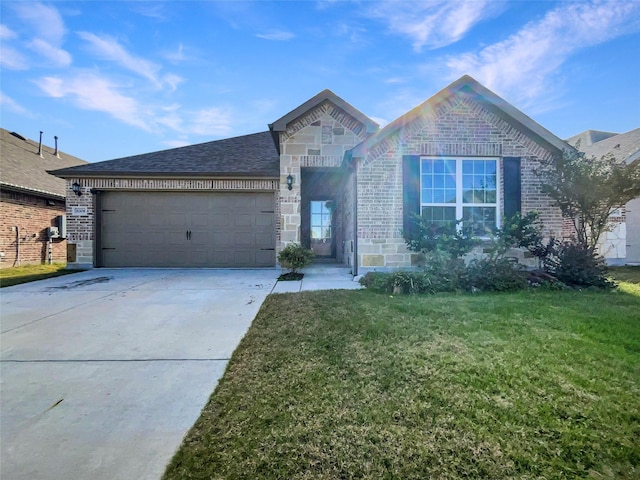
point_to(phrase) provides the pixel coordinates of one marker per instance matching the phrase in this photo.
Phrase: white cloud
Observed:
(55, 56)
(11, 59)
(11, 104)
(44, 20)
(91, 92)
(434, 23)
(279, 35)
(523, 66)
(177, 56)
(47, 28)
(109, 49)
(210, 121)
(173, 81)
(6, 33)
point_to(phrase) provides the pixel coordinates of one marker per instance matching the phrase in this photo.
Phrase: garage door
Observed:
(180, 229)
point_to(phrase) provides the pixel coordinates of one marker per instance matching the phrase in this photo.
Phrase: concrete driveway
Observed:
(104, 371)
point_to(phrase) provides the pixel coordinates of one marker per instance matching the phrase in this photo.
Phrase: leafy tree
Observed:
(587, 190)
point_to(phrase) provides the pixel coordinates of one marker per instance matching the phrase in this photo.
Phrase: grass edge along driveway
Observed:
(342, 384)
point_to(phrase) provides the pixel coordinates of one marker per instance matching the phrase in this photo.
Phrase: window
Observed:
(460, 188)
(321, 220)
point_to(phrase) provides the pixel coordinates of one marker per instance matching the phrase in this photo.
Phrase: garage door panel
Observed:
(150, 229)
(242, 220)
(242, 239)
(264, 258)
(264, 220)
(199, 220)
(221, 220)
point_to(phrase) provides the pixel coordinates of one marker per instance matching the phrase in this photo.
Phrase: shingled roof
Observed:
(623, 146)
(252, 155)
(22, 169)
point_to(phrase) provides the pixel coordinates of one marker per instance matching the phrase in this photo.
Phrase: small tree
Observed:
(588, 190)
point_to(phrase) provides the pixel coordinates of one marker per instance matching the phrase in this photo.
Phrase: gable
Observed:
(480, 101)
(326, 103)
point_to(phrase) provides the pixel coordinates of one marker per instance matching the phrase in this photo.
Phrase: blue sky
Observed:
(113, 79)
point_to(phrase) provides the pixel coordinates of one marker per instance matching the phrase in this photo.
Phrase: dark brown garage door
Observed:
(180, 229)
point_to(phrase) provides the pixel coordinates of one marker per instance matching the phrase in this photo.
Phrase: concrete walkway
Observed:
(103, 372)
(320, 277)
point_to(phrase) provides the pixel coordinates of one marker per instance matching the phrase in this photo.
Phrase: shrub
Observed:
(578, 266)
(520, 231)
(427, 238)
(494, 275)
(375, 281)
(294, 257)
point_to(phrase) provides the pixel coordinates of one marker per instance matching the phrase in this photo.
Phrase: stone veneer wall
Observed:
(458, 127)
(81, 228)
(319, 138)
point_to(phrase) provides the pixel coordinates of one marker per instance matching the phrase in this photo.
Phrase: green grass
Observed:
(344, 384)
(625, 274)
(31, 273)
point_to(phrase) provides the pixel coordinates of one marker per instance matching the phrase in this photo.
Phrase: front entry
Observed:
(321, 228)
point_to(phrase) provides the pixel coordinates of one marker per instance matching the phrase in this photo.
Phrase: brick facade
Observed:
(458, 127)
(23, 229)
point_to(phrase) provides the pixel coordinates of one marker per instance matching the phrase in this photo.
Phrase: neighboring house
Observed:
(323, 175)
(31, 200)
(620, 245)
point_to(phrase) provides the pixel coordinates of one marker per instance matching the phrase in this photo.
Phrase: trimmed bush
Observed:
(294, 257)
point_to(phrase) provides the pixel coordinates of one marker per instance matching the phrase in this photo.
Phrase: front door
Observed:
(321, 225)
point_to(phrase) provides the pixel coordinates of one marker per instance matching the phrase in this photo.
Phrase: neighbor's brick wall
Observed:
(81, 229)
(318, 139)
(31, 215)
(459, 127)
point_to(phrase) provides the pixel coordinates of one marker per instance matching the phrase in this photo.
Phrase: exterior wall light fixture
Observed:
(290, 182)
(76, 188)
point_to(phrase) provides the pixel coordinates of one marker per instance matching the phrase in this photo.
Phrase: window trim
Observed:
(459, 204)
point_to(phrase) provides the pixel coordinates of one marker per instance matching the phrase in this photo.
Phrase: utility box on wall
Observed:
(61, 222)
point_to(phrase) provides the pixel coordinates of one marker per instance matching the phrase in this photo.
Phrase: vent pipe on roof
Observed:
(40, 145)
(56, 152)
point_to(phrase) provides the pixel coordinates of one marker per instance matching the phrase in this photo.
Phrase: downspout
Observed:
(17, 262)
(355, 219)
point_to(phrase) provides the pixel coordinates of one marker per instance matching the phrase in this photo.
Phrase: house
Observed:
(324, 175)
(31, 201)
(621, 244)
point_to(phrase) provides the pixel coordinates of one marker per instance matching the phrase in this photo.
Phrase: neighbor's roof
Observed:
(588, 138)
(467, 86)
(624, 147)
(246, 156)
(22, 169)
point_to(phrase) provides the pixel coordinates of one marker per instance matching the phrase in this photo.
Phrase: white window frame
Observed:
(459, 205)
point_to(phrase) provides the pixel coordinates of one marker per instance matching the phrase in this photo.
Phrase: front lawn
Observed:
(344, 384)
(30, 273)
